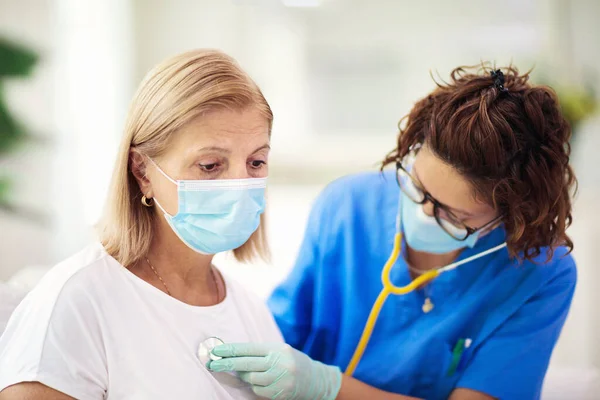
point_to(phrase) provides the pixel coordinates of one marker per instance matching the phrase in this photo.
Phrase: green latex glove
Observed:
(277, 371)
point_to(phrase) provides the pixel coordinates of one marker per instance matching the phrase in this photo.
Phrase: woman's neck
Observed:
(180, 263)
(185, 274)
(426, 261)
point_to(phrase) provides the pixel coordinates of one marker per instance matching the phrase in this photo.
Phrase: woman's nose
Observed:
(238, 170)
(428, 208)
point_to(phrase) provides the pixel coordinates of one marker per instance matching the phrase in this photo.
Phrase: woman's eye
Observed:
(448, 216)
(258, 163)
(209, 167)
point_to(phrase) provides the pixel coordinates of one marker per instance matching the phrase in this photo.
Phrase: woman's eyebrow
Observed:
(227, 151)
(263, 147)
(215, 148)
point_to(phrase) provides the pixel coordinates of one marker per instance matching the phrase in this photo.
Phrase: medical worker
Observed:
(480, 173)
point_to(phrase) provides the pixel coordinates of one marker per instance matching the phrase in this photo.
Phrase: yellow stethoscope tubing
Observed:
(390, 288)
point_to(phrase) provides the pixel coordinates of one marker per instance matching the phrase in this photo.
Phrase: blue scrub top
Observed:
(512, 313)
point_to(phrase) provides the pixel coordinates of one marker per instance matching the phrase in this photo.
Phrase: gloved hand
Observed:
(277, 371)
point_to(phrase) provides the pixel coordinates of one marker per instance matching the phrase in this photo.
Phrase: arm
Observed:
(291, 303)
(32, 391)
(353, 389)
(53, 342)
(512, 362)
(279, 371)
(468, 394)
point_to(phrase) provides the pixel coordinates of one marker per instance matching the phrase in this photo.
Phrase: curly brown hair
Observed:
(510, 141)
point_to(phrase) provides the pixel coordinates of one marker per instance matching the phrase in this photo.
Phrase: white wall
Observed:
(23, 242)
(573, 57)
(77, 100)
(340, 76)
(579, 343)
(94, 46)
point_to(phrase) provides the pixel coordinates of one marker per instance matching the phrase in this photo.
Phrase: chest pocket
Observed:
(432, 379)
(411, 364)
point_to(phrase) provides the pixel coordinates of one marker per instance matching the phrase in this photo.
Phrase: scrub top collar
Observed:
(453, 280)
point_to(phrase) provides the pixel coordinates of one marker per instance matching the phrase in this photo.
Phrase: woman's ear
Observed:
(138, 164)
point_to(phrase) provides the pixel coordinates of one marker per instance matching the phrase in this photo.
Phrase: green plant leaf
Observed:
(4, 189)
(11, 133)
(576, 104)
(15, 60)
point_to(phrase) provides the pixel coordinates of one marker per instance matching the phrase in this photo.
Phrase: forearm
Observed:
(353, 389)
(280, 371)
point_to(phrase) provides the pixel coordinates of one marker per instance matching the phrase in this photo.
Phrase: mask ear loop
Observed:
(398, 216)
(162, 172)
(161, 208)
(169, 178)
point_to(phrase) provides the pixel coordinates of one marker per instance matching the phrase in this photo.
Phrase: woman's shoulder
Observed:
(71, 282)
(84, 268)
(550, 275)
(554, 264)
(365, 192)
(549, 264)
(561, 266)
(57, 324)
(362, 184)
(360, 203)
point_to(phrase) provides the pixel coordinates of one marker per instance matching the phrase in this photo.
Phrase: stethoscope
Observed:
(390, 288)
(205, 348)
(205, 356)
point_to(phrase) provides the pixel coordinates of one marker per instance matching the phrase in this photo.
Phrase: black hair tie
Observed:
(498, 78)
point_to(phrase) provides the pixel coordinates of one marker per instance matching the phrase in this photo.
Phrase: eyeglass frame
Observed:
(427, 197)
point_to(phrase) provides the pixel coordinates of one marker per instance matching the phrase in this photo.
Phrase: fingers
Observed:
(240, 364)
(267, 385)
(256, 378)
(242, 350)
(269, 392)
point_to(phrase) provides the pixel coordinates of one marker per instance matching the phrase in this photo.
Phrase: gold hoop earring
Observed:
(148, 202)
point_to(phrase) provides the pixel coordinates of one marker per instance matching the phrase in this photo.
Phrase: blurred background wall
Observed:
(339, 74)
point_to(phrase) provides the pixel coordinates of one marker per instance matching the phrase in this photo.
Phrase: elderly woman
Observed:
(125, 317)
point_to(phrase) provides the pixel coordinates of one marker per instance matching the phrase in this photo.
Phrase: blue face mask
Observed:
(423, 233)
(216, 215)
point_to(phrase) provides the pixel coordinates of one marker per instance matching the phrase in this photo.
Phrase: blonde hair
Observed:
(171, 95)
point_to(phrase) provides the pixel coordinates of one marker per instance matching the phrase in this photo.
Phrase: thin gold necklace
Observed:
(212, 272)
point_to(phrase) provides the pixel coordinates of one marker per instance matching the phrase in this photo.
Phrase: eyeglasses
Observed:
(451, 224)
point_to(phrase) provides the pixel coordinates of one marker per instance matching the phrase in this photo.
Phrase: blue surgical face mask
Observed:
(216, 215)
(423, 233)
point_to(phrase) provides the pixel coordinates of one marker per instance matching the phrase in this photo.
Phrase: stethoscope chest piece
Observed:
(205, 350)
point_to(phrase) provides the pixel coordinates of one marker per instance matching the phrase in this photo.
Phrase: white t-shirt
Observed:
(94, 330)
